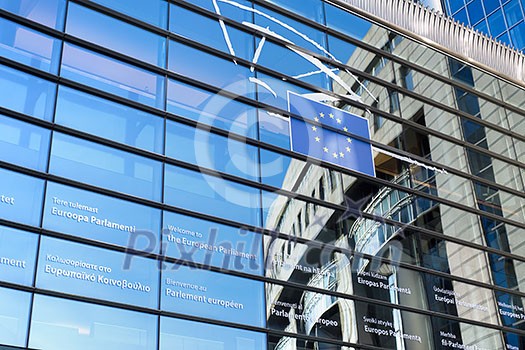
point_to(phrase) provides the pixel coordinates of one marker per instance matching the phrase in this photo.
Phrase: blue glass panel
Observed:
(210, 69)
(211, 195)
(211, 109)
(211, 151)
(311, 9)
(17, 255)
(102, 218)
(46, 12)
(276, 170)
(288, 62)
(23, 143)
(14, 316)
(116, 35)
(482, 27)
(278, 86)
(206, 242)
(209, 32)
(475, 11)
(106, 167)
(109, 120)
(292, 30)
(110, 75)
(504, 38)
(94, 272)
(212, 295)
(151, 11)
(183, 334)
(26, 94)
(462, 16)
(490, 5)
(274, 129)
(455, 5)
(28, 46)
(518, 35)
(496, 23)
(229, 10)
(346, 22)
(20, 197)
(513, 13)
(66, 324)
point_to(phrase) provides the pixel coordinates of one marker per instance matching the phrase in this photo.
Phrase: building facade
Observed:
(501, 19)
(151, 196)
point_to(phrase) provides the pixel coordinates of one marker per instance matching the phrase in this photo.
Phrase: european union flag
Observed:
(340, 147)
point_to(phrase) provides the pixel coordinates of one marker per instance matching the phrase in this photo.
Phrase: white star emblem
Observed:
(321, 114)
(341, 154)
(335, 155)
(338, 121)
(348, 149)
(314, 128)
(316, 119)
(325, 149)
(345, 129)
(349, 140)
(317, 139)
(331, 115)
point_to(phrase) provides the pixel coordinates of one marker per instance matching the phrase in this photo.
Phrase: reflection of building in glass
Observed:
(149, 198)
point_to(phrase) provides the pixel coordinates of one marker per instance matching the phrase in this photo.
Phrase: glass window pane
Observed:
(274, 129)
(102, 218)
(496, 23)
(211, 151)
(94, 272)
(209, 32)
(105, 167)
(66, 324)
(513, 12)
(17, 255)
(475, 11)
(229, 10)
(490, 5)
(340, 20)
(217, 245)
(151, 11)
(211, 109)
(28, 46)
(288, 62)
(212, 295)
(112, 76)
(210, 69)
(20, 197)
(23, 143)
(109, 120)
(211, 195)
(116, 35)
(26, 94)
(518, 35)
(46, 12)
(278, 95)
(14, 316)
(183, 334)
(311, 9)
(294, 31)
(455, 5)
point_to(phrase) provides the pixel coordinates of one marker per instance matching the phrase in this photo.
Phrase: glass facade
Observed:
(151, 197)
(501, 19)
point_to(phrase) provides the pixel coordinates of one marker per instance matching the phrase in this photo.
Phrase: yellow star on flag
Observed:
(314, 128)
(317, 139)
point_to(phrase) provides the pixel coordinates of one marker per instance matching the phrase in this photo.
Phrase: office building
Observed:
(235, 174)
(503, 20)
